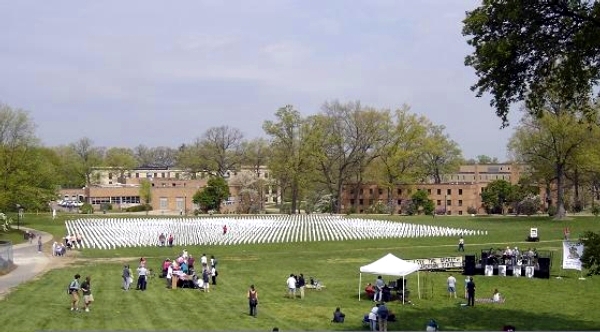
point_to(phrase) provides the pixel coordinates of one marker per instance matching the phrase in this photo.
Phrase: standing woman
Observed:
(252, 300)
(127, 278)
(39, 245)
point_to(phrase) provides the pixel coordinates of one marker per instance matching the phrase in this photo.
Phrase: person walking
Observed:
(301, 285)
(88, 298)
(451, 286)
(74, 292)
(142, 275)
(461, 244)
(252, 300)
(39, 244)
(471, 292)
(127, 278)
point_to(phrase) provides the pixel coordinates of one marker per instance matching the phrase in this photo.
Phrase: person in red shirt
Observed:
(224, 229)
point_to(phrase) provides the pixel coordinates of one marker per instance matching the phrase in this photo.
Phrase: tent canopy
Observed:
(390, 265)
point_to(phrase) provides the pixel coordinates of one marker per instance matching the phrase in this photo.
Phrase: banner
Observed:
(572, 253)
(439, 263)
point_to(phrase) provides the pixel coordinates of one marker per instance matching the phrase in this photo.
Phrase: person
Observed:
(301, 285)
(370, 290)
(141, 283)
(74, 292)
(171, 240)
(127, 278)
(170, 276)
(39, 244)
(471, 292)
(379, 284)
(461, 244)
(275, 329)
(373, 317)
(291, 284)
(88, 298)
(206, 279)
(338, 316)
(252, 300)
(382, 316)
(213, 275)
(451, 286)
(224, 229)
(496, 297)
(432, 326)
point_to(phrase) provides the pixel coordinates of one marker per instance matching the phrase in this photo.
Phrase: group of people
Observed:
(382, 292)
(511, 256)
(75, 287)
(379, 316)
(470, 291)
(182, 271)
(163, 239)
(294, 283)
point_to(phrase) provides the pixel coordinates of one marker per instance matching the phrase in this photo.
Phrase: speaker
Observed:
(544, 271)
(484, 257)
(469, 265)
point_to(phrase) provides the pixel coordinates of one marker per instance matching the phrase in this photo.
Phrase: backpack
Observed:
(71, 286)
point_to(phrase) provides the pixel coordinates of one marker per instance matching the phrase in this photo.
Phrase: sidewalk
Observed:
(29, 262)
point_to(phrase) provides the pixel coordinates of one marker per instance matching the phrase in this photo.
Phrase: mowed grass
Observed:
(532, 304)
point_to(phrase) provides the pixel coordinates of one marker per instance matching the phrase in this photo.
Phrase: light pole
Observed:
(185, 204)
(446, 204)
(19, 216)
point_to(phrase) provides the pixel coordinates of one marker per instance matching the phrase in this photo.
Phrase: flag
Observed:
(572, 253)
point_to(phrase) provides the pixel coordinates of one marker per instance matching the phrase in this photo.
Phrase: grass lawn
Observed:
(532, 304)
(14, 235)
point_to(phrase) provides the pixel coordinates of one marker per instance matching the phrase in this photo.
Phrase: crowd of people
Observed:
(182, 272)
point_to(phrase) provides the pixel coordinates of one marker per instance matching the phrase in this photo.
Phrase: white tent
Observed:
(390, 265)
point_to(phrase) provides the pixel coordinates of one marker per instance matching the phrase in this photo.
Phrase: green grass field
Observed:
(532, 304)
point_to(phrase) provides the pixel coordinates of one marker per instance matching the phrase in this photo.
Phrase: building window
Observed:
(351, 191)
(449, 191)
(460, 202)
(110, 176)
(352, 202)
(155, 175)
(360, 202)
(460, 213)
(439, 202)
(162, 175)
(439, 191)
(137, 175)
(380, 191)
(449, 202)
(460, 191)
(449, 212)
(399, 191)
(370, 202)
(370, 191)
(399, 202)
(164, 203)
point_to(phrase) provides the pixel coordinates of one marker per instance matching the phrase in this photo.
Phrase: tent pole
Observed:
(403, 289)
(359, 284)
(419, 283)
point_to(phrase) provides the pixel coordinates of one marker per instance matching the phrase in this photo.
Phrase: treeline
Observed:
(311, 158)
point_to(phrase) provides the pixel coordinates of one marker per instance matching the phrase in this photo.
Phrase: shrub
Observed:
(529, 205)
(552, 210)
(577, 207)
(139, 208)
(106, 207)
(596, 210)
(472, 210)
(86, 208)
(440, 211)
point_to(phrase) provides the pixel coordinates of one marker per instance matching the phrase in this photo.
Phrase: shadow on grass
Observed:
(482, 317)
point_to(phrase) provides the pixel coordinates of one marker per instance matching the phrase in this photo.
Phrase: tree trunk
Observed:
(294, 206)
(561, 213)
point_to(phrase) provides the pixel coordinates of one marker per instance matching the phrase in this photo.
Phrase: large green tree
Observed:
(26, 169)
(213, 195)
(497, 195)
(441, 155)
(551, 144)
(88, 157)
(591, 252)
(121, 160)
(520, 45)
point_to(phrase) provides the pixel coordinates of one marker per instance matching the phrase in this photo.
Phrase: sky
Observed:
(159, 73)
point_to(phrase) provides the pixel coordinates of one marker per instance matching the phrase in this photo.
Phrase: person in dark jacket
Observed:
(338, 316)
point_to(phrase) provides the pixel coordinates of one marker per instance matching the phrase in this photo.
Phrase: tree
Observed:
(550, 144)
(121, 160)
(521, 45)
(212, 196)
(26, 169)
(591, 252)
(290, 145)
(88, 157)
(68, 168)
(146, 193)
(441, 154)
(256, 155)
(497, 194)
(400, 157)
(421, 202)
(221, 149)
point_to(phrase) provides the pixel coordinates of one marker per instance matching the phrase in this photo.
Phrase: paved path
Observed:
(29, 262)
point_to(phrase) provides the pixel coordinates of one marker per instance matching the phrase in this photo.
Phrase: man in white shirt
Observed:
(203, 261)
(291, 284)
(169, 275)
(451, 286)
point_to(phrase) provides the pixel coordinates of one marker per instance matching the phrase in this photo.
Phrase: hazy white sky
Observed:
(125, 73)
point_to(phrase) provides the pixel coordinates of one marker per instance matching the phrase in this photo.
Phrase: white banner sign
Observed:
(572, 253)
(439, 263)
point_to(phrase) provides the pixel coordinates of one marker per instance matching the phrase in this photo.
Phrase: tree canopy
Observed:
(522, 45)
